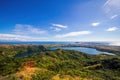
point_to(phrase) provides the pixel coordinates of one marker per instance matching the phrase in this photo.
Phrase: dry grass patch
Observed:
(27, 73)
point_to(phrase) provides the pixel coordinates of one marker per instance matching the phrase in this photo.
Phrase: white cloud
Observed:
(27, 29)
(72, 34)
(114, 16)
(112, 7)
(20, 33)
(13, 37)
(95, 24)
(59, 25)
(112, 29)
(55, 29)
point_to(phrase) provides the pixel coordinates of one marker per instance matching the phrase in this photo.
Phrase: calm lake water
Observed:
(82, 49)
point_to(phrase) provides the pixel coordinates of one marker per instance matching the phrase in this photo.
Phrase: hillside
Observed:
(56, 65)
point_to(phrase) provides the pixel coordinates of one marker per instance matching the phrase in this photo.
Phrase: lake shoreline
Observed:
(82, 49)
(103, 48)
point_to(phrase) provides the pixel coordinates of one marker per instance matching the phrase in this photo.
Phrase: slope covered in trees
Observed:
(56, 65)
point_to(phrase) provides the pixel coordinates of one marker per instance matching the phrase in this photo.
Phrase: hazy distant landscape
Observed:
(59, 40)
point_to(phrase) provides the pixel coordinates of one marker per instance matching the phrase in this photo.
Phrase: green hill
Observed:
(57, 65)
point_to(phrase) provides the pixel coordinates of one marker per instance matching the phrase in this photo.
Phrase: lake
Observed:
(83, 49)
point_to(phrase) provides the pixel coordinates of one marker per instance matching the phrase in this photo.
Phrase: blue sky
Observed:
(59, 20)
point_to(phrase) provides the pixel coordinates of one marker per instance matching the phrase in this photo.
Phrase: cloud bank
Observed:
(27, 29)
(73, 34)
(13, 37)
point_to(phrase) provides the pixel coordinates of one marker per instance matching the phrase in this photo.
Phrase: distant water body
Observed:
(42, 43)
(37, 43)
(83, 49)
(115, 43)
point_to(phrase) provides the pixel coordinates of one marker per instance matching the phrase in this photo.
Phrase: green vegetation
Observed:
(56, 65)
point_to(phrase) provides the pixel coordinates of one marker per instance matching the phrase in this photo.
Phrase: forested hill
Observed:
(56, 65)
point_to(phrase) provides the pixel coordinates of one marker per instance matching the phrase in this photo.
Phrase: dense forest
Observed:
(55, 64)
